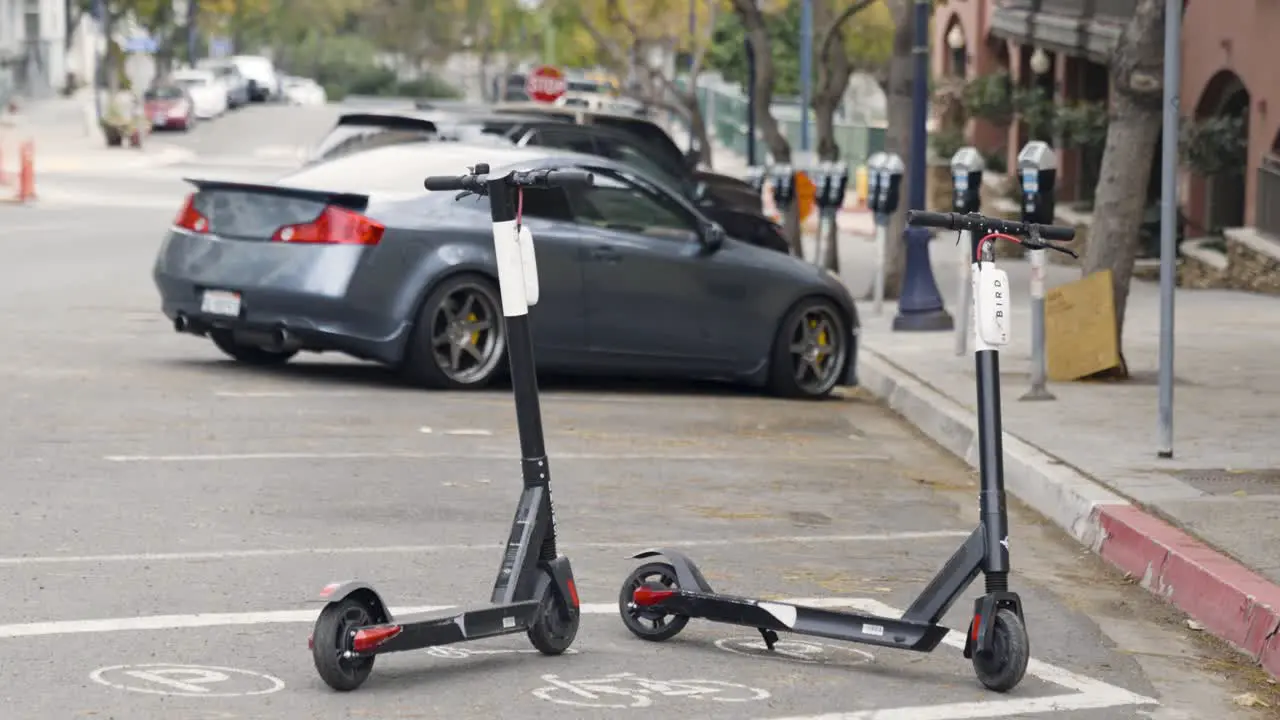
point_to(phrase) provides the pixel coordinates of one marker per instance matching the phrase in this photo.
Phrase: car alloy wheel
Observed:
(812, 349)
(466, 333)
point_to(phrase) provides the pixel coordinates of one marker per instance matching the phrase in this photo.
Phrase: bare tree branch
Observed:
(707, 36)
(838, 24)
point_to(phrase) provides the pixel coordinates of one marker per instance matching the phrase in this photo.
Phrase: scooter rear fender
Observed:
(688, 576)
(363, 591)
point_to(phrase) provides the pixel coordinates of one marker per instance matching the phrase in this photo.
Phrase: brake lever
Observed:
(463, 194)
(1030, 245)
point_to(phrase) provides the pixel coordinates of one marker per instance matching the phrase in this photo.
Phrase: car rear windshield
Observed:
(347, 139)
(164, 93)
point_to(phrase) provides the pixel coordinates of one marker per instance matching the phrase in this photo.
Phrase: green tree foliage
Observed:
(868, 42)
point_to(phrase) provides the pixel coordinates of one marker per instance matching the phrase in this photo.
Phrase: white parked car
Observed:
(303, 91)
(264, 81)
(208, 94)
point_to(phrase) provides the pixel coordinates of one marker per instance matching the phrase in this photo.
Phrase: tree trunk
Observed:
(898, 136)
(697, 123)
(1137, 78)
(779, 148)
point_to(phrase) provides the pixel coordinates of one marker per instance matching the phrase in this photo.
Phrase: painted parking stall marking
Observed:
(799, 651)
(628, 690)
(206, 681)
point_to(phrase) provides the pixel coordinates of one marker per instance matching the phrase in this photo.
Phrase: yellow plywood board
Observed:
(1080, 328)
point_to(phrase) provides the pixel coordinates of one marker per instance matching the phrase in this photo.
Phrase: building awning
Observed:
(1080, 28)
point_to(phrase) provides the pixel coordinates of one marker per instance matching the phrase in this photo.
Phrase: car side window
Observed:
(614, 203)
(548, 204)
(577, 142)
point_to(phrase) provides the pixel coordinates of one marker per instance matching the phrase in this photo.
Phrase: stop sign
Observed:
(545, 84)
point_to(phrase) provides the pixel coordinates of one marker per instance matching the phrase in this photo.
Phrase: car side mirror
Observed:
(712, 236)
(692, 157)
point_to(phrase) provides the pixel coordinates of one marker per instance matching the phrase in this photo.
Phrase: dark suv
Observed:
(726, 190)
(740, 217)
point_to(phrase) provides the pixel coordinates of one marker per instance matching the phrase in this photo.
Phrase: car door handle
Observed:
(605, 253)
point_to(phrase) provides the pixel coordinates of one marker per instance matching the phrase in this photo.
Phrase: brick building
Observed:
(1229, 57)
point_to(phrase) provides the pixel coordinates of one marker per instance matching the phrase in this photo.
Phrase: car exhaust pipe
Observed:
(282, 338)
(181, 324)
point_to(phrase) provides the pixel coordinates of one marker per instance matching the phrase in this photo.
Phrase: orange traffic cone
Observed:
(27, 172)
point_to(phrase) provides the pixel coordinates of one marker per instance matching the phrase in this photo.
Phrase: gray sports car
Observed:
(352, 255)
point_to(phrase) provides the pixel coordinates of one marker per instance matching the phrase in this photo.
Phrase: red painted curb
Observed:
(1230, 600)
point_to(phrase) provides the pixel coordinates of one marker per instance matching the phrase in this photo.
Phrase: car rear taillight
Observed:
(334, 226)
(190, 218)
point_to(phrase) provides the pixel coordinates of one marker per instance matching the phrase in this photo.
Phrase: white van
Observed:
(264, 82)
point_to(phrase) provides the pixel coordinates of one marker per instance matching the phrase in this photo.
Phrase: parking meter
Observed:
(783, 180)
(887, 170)
(966, 197)
(966, 177)
(1038, 170)
(832, 180)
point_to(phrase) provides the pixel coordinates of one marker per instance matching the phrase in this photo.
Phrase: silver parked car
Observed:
(352, 255)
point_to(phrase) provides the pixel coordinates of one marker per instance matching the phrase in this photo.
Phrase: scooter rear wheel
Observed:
(1002, 669)
(550, 633)
(646, 623)
(330, 643)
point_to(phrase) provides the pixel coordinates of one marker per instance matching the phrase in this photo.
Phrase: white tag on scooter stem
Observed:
(991, 305)
(530, 262)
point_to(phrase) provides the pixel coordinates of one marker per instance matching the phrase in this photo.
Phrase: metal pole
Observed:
(99, 77)
(751, 104)
(1038, 361)
(882, 236)
(1169, 216)
(920, 307)
(193, 14)
(964, 308)
(806, 70)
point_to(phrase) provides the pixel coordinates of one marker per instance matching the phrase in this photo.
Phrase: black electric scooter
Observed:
(658, 599)
(534, 591)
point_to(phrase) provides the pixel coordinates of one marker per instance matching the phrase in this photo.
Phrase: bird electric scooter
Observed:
(658, 599)
(534, 591)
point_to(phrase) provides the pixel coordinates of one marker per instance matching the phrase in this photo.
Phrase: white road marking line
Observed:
(424, 430)
(278, 394)
(236, 457)
(1087, 693)
(469, 431)
(424, 549)
(205, 620)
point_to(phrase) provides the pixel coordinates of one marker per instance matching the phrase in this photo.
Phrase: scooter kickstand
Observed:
(770, 638)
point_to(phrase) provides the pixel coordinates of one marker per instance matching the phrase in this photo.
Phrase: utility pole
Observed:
(806, 70)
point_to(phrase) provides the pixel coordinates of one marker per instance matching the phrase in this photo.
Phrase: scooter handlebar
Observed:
(982, 223)
(444, 183)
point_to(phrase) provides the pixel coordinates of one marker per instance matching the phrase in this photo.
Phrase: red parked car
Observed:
(170, 108)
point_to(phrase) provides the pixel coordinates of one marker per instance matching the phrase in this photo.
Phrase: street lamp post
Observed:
(920, 307)
(806, 70)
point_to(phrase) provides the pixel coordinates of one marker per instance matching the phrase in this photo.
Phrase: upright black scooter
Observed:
(658, 599)
(534, 592)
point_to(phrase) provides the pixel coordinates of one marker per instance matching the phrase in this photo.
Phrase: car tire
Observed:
(249, 354)
(810, 350)
(459, 340)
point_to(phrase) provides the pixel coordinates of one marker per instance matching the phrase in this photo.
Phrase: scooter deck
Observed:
(430, 629)
(786, 617)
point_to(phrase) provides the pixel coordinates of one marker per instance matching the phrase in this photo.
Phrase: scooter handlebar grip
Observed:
(569, 178)
(445, 182)
(1057, 232)
(923, 218)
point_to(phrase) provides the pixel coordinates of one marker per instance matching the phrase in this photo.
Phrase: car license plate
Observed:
(160, 118)
(220, 302)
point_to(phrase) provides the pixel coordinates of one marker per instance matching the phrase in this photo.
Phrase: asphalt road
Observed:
(168, 516)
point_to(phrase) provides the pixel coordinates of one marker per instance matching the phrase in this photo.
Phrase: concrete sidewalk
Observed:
(1201, 530)
(67, 141)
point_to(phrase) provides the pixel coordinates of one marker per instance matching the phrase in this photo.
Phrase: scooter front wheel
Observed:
(648, 623)
(330, 644)
(551, 633)
(1002, 668)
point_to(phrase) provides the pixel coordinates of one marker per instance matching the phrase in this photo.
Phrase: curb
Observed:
(1229, 600)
